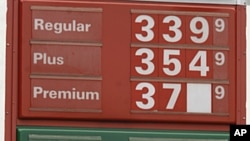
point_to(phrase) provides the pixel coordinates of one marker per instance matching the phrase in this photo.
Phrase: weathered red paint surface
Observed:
(138, 65)
(89, 63)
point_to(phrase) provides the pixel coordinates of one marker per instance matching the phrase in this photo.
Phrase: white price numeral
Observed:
(167, 61)
(147, 61)
(220, 92)
(219, 25)
(147, 96)
(204, 29)
(148, 100)
(203, 68)
(219, 58)
(200, 58)
(151, 92)
(175, 94)
(174, 28)
(147, 28)
(201, 32)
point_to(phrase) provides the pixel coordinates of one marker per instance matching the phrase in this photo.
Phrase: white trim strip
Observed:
(229, 2)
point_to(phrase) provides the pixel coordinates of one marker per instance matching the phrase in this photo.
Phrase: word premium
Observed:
(72, 94)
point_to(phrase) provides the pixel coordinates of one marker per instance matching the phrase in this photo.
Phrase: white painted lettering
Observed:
(38, 24)
(45, 93)
(52, 94)
(46, 59)
(64, 95)
(80, 27)
(37, 91)
(73, 25)
(60, 27)
(37, 56)
(92, 95)
(59, 61)
(72, 94)
(88, 27)
(48, 26)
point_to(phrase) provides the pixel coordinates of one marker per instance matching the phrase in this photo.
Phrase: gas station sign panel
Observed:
(128, 61)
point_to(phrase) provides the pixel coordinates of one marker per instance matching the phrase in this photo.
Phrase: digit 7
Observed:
(172, 97)
(175, 94)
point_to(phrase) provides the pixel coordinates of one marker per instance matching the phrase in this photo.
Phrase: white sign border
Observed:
(229, 2)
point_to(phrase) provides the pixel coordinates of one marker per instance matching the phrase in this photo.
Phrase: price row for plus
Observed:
(180, 63)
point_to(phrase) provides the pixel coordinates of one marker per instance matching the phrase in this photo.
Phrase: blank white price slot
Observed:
(199, 98)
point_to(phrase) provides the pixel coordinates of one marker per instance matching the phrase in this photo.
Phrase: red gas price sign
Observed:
(128, 61)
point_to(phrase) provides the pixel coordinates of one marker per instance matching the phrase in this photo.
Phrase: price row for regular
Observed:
(181, 28)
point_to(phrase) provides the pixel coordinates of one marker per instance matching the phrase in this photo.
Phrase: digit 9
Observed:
(219, 92)
(219, 25)
(219, 58)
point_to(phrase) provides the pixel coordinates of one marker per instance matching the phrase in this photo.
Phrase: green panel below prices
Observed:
(107, 134)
